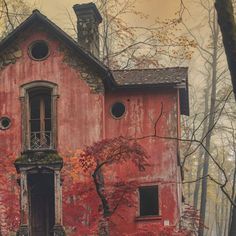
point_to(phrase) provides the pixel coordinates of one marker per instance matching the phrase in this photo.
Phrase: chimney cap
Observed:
(86, 8)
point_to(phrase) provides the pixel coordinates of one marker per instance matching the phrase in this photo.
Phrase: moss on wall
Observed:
(9, 56)
(39, 158)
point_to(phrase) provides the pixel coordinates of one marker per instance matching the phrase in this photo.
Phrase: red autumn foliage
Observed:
(85, 191)
(188, 225)
(111, 151)
(190, 220)
(9, 194)
(88, 197)
(80, 205)
(173, 231)
(121, 151)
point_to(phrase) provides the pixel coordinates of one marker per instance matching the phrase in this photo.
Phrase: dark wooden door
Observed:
(39, 215)
(41, 204)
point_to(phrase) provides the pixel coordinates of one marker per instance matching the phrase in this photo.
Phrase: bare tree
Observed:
(227, 24)
(211, 52)
(12, 13)
(130, 46)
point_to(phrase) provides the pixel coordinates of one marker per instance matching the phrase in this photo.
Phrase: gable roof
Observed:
(175, 77)
(38, 17)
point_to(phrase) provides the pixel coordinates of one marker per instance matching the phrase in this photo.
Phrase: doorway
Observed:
(41, 204)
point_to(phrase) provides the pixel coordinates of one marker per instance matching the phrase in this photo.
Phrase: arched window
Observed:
(38, 101)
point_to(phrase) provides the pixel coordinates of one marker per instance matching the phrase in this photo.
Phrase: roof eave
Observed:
(184, 104)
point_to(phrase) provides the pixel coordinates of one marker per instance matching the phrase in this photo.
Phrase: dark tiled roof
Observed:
(163, 76)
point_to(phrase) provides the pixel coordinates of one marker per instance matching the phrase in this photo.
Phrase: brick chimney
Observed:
(88, 20)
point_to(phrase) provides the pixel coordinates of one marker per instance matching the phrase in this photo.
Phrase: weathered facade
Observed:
(55, 96)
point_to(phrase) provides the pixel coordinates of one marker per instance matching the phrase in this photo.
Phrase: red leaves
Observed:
(80, 205)
(88, 195)
(188, 224)
(111, 151)
(116, 151)
(9, 194)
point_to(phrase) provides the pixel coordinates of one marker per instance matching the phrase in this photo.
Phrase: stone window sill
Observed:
(147, 218)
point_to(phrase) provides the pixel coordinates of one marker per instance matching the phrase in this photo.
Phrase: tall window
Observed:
(39, 115)
(40, 119)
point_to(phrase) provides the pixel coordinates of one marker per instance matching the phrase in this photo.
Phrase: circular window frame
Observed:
(32, 45)
(120, 117)
(8, 120)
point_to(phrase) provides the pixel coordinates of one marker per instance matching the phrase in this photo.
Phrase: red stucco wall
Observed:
(142, 111)
(75, 98)
(84, 117)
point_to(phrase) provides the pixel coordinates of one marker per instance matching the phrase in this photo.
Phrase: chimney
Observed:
(88, 20)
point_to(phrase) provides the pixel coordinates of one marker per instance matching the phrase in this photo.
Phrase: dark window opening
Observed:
(5, 123)
(39, 50)
(40, 120)
(118, 110)
(148, 197)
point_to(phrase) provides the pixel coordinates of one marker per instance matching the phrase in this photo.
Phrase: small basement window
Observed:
(5, 123)
(118, 110)
(39, 50)
(148, 201)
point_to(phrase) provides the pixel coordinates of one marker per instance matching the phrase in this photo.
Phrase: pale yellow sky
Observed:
(56, 10)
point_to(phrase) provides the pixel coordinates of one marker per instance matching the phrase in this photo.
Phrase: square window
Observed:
(148, 201)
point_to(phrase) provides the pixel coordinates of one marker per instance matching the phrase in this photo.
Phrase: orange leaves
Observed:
(138, 45)
(80, 205)
(87, 163)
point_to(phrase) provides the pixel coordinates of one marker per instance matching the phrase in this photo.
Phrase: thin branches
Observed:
(7, 14)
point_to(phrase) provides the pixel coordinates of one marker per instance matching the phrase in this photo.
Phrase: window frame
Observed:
(33, 44)
(38, 120)
(124, 113)
(158, 215)
(3, 128)
(25, 111)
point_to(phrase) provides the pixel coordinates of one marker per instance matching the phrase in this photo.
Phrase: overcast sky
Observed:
(56, 9)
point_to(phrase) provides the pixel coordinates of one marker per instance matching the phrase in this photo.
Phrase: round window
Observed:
(39, 50)
(5, 123)
(118, 109)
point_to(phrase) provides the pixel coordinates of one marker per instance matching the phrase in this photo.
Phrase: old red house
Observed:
(56, 95)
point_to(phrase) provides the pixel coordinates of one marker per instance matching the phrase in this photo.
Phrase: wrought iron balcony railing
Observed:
(41, 140)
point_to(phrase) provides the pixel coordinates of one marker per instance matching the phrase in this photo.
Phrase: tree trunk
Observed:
(217, 216)
(103, 227)
(222, 215)
(201, 151)
(227, 24)
(232, 231)
(226, 216)
(232, 217)
(209, 128)
(99, 184)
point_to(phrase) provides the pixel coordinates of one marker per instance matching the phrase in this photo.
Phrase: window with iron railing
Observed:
(40, 120)
(39, 115)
